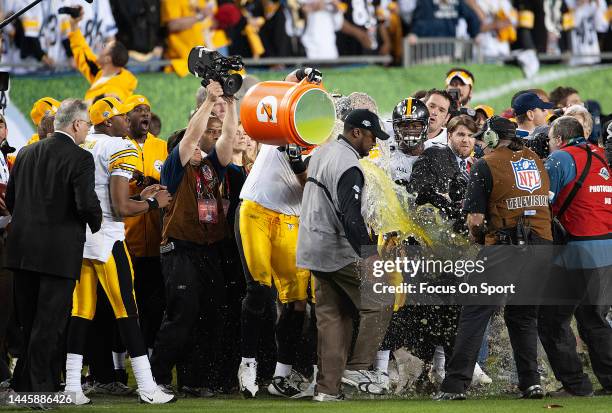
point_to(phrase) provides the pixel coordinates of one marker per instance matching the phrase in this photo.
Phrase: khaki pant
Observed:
(341, 296)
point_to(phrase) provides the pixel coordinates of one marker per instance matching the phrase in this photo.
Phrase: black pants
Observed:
(149, 290)
(522, 328)
(194, 288)
(6, 298)
(42, 303)
(560, 344)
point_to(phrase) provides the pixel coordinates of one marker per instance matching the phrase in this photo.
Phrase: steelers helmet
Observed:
(408, 112)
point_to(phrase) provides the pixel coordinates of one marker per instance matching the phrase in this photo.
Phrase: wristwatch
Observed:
(153, 204)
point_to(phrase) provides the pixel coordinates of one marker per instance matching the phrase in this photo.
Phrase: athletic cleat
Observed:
(167, 388)
(202, 392)
(322, 397)
(479, 377)
(158, 396)
(533, 392)
(115, 388)
(298, 379)
(79, 398)
(449, 396)
(364, 380)
(247, 376)
(282, 386)
(88, 388)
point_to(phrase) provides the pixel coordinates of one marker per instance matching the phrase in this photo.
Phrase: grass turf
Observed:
(173, 98)
(267, 404)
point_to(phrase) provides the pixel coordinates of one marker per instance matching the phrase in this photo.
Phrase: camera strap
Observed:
(579, 182)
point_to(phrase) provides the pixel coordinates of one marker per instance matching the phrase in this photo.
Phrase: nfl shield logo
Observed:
(526, 175)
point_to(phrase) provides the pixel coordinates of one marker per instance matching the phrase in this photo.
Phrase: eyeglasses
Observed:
(89, 124)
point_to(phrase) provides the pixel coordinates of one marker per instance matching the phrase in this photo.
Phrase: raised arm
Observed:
(198, 123)
(225, 144)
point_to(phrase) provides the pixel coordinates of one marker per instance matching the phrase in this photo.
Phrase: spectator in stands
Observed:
(106, 73)
(563, 97)
(361, 32)
(432, 18)
(42, 107)
(438, 103)
(139, 24)
(244, 36)
(497, 30)
(582, 115)
(189, 24)
(462, 80)
(323, 20)
(530, 111)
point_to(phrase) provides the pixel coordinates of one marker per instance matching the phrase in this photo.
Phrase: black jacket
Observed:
(51, 197)
(436, 172)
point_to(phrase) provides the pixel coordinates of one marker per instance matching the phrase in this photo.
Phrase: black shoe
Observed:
(449, 396)
(203, 392)
(603, 392)
(563, 392)
(533, 392)
(282, 386)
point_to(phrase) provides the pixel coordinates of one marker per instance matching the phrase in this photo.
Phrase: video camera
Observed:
(4, 87)
(211, 65)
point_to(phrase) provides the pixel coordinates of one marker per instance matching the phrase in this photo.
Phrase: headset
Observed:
(490, 137)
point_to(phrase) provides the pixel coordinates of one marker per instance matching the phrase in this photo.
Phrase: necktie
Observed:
(463, 167)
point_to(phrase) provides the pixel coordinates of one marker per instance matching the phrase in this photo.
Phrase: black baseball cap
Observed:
(364, 119)
(529, 101)
(505, 128)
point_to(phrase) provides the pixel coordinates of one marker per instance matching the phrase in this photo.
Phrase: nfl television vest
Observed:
(520, 188)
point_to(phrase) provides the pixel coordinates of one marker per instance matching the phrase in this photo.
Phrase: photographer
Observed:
(105, 73)
(194, 227)
(460, 85)
(579, 177)
(494, 219)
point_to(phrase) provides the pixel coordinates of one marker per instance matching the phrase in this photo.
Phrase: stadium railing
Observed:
(446, 50)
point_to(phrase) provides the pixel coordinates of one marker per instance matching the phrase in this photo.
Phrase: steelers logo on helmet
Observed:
(410, 122)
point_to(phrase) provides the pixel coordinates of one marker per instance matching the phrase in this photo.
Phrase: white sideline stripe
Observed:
(519, 84)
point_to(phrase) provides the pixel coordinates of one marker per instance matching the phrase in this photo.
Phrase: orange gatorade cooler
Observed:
(281, 113)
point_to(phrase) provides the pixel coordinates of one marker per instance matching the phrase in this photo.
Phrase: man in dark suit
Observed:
(440, 175)
(51, 197)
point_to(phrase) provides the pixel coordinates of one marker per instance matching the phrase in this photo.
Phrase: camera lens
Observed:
(232, 84)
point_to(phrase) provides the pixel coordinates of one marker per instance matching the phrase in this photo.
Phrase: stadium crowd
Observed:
(235, 263)
(509, 30)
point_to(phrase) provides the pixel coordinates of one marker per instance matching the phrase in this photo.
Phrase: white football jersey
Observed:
(113, 156)
(98, 24)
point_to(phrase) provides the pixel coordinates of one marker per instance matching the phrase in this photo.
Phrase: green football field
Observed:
(268, 405)
(173, 98)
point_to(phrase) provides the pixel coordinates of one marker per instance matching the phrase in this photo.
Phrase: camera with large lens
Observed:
(211, 65)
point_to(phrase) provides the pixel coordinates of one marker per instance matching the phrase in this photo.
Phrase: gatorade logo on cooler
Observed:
(267, 109)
